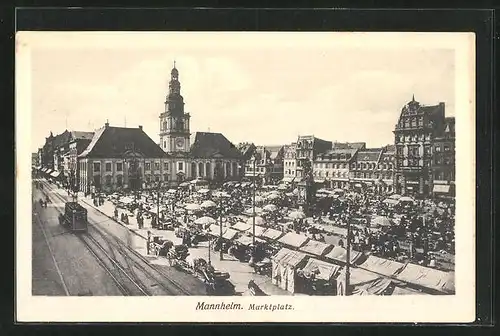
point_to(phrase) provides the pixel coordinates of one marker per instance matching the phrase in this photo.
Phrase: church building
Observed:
(210, 157)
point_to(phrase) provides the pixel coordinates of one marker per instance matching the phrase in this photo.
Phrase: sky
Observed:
(265, 89)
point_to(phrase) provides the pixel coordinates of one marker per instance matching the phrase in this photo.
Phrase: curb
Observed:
(102, 212)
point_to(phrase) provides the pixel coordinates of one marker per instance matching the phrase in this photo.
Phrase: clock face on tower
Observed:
(179, 142)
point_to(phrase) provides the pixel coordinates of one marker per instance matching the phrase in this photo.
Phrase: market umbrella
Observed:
(297, 215)
(193, 207)
(282, 187)
(259, 199)
(171, 191)
(395, 196)
(406, 199)
(270, 207)
(205, 220)
(273, 196)
(381, 221)
(208, 204)
(258, 220)
(290, 194)
(257, 210)
(203, 191)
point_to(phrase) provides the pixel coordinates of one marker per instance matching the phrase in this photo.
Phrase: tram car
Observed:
(74, 217)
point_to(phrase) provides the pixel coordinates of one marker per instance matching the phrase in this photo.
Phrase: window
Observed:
(147, 166)
(157, 166)
(157, 178)
(97, 167)
(164, 144)
(119, 166)
(446, 148)
(326, 174)
(108, 166)
(108, 179)
(437, 149)
(180, 166)
(119, 180)
(165, 177)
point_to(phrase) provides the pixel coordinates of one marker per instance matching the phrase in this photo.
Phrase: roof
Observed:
(274, 151)
(347, 145)
(323, 270)
(293, 239)
(116, 142)
(316, 247)
(289, 257)
(428, 278)
(82, 135)
(246, 149)
(390, 149)
(382, 266)
(340, 254)
(213, 145)
(369, 154)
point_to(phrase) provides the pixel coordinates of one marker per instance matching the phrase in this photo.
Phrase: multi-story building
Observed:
(212, 156)
(443, 161)
(332, 167)
(417, 128)
(268, 163)
(385, 170)
(289, 162)
(363, 173)
(119, 157)
(308, 147)
(348, 145)
(34, 159)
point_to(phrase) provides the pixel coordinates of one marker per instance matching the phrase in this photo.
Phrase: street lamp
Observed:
(221, 195)
(253, 202)
(348, 245)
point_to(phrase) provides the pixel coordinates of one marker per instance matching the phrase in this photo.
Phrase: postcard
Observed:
(245, 177)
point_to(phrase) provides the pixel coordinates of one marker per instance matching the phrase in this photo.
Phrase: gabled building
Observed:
(119, 157)
(364, 169)
(289, 162)
(443, 161)
(268, 163)
(415, 132)
(308, 147)
(214, 158)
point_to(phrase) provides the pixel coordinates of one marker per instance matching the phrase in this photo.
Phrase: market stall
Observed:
(316, 248)
(285, 264)
(428, 278)
(339, 254)
(293, 240)
(272, 234)
(382, 266)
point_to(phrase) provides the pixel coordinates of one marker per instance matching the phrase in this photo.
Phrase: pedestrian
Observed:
(148, 243)
(116, 214)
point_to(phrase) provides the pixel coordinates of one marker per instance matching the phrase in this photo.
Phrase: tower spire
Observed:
(413, 98)
(174, 64)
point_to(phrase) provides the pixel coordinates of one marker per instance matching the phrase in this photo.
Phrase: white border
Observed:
(457, 308)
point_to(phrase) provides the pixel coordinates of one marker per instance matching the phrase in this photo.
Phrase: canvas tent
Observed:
(428, 278)
(321, 269)
(293, 240)
(240, 226)
(272, 234)
(362, 282)
(382, 266)
(214, 230)
(285, 264)
(339, 254)
(229, 234)
(317, 248)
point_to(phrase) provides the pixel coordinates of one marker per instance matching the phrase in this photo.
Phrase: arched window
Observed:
(108, 180)
(119, 180)
(193, 170)
(208, 171)
(228, 169)
(200, 169)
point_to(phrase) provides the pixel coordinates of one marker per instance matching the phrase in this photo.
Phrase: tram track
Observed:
(123, 273)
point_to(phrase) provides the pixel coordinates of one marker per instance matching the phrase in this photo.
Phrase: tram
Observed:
(74, 217)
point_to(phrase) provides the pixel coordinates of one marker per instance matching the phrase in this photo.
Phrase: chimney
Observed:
(106, 125)
(140, 127)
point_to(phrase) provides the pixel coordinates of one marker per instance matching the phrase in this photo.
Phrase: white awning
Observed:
(441, 188)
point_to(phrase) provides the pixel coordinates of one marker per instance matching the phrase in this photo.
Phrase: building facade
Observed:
(443, 161)
(308, 147)
(417, 128)
(289, 162)
(268, 163)
(119, 157)
(332, 167)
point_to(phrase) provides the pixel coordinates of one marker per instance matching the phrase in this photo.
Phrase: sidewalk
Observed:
(241, 273)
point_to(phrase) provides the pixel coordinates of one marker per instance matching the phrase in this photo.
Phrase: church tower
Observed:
(174, 122)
